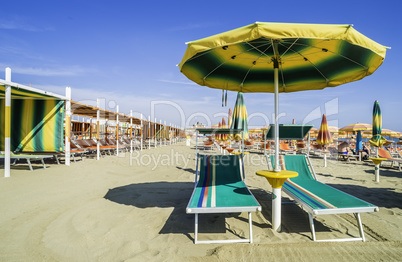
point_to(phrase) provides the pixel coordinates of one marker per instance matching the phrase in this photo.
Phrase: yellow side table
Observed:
(377, 161)
(276, 180)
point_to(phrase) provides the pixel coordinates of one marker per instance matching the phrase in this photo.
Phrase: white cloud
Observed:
(18, 23)
(60, 71)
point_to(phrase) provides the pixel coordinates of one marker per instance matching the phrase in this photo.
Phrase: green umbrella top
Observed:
(377, 140)
(310, 57)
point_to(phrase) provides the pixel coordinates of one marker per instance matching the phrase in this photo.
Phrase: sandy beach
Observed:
(132, 208)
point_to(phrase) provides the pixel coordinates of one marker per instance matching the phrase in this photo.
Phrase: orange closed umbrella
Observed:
(324, 136)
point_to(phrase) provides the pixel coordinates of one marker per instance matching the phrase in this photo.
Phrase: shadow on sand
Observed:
(170, 195)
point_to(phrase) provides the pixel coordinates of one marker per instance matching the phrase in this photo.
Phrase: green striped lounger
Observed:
(221, 189)
(318, 198)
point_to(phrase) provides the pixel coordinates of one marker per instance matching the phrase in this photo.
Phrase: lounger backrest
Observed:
(90, 142)
(81, 143)
(284, 146)
(384, 153)
(226, 169)
(220, 183)
(297, 163)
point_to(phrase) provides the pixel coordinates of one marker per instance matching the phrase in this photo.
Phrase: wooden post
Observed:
(68, 126)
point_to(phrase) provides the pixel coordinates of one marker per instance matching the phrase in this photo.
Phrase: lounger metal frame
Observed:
(333, 211)
(29, 158)
(215, 210)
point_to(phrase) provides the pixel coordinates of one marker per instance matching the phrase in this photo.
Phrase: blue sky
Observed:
(126, 52)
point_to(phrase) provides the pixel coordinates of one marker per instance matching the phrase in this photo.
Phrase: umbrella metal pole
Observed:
(276, 133)
(276, 192)
(276, 208)
(377, 167)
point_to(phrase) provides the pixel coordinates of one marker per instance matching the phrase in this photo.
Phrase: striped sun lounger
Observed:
(318, 198)
(221, 189)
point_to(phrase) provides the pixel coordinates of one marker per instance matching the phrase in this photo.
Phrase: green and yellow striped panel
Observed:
(23, 93)
(36, 125)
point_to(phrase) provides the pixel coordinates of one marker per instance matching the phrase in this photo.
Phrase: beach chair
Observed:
(285, 149)
(112, 142)
(317, 198)
(208, 145)
(386, 154)
(220, 188)
(126, 142)
(28, 158)
(90, 145)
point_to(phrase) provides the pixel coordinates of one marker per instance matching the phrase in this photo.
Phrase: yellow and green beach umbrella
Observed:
(377, 140)
(281, 57)
(239, 118)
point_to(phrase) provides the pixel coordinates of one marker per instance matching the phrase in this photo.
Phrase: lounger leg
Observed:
(310, 216)
(359, 223)
(196, 229)
(29, 163)
(57, 159)
(250, 221)
(43, 162)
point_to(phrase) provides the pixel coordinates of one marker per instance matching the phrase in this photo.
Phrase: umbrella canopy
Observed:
(324, 136)
(356, 127)
(333, 129)
(388, 132)
(277, 57)
(377, 140)
(239, 118)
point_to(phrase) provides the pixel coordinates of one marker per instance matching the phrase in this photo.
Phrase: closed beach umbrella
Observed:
(224, 137)
(239, 118)
(230, 117)
(280, 57)
(230, 137)
(324, 136)
(377, 140)
(219, 136)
